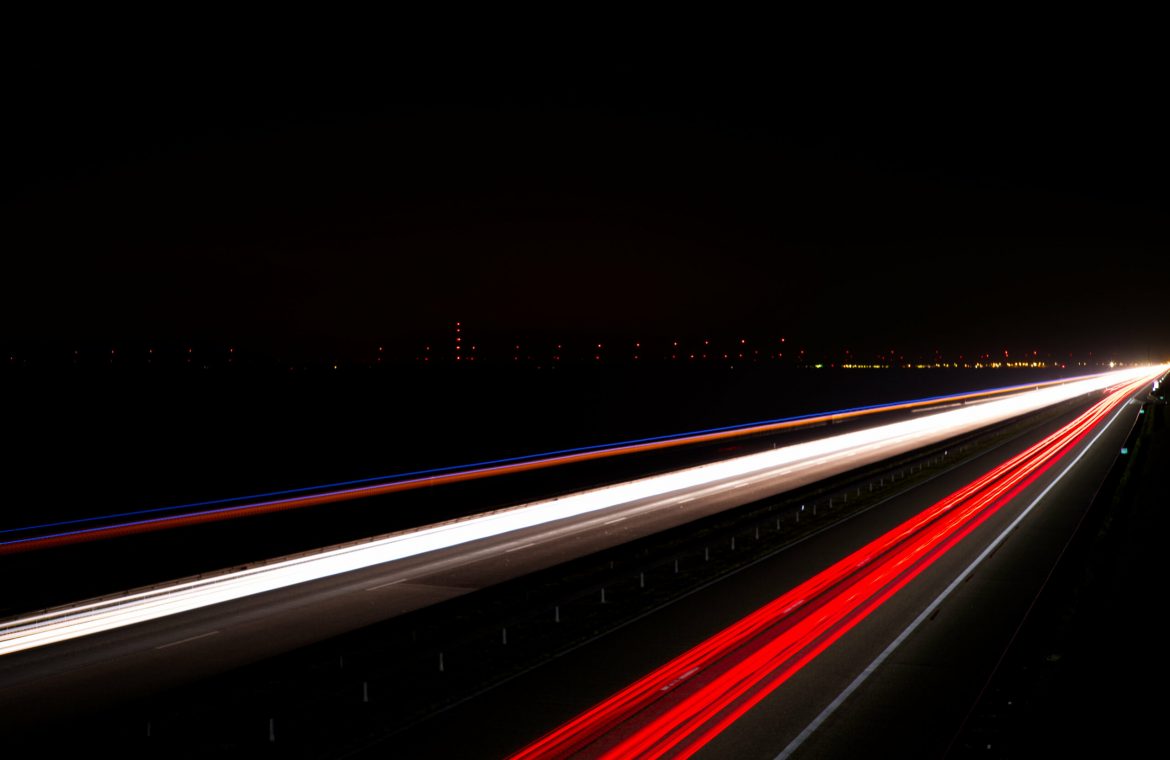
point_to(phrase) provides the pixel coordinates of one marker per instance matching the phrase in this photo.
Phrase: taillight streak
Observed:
(683, 704)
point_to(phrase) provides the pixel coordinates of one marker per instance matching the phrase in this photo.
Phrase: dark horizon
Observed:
(537, 350)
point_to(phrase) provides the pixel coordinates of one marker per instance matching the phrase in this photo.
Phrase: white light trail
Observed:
(875, 443)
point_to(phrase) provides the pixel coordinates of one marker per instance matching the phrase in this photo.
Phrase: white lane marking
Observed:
(869, 670)
(387, 583)
(518, 548)
(680, 679)
(190, 638)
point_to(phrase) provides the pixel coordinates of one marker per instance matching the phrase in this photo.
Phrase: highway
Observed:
(879, 653)
(129, 645)
(35, 537)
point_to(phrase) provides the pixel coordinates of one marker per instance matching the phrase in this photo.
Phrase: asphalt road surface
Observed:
(914, 696)
(46, 684)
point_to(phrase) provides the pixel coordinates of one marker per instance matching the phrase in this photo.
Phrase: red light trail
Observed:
(675, 710)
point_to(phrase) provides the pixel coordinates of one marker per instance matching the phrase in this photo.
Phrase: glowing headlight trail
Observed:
(561, 456)
(152, 519)
(679, 707)
(870, 444)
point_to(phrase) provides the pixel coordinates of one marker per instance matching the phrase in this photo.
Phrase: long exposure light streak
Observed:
(676, 709)
(928, 611)
(850, 448)
(497, 466)
(71, 532)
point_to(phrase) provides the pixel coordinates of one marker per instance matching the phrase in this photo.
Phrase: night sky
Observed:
(282, 189)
